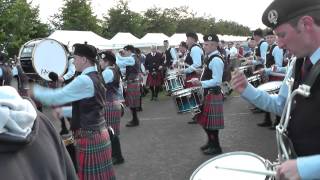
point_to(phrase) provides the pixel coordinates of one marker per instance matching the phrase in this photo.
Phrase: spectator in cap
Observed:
(211, 115)
(88, 96)
(112, 78)
(133, 93)
(297, 25)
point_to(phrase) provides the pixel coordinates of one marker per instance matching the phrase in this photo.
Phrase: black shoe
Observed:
(272, 128)
(265, 124)
(64, 131)
(256, 110)
(212, 151)
(204, 147)
(132, 123)
(192, 122)
(151, 99)
(116, 161)
(139, 109)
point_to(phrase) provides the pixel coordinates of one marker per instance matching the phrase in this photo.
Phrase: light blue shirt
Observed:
(123, 62)
(173, 55)
(107, 75)
(216, 66)
(71, 70)
(309, 167)
(196, 54)
(81, 87)
(263, 52)
(277, 53)
(1, 72)
(14, 71)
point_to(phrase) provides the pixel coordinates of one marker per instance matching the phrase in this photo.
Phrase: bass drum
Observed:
(39, 57)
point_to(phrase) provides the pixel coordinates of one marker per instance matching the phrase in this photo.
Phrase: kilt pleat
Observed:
(93, 151)
(154, 81)
(113, 116)
(133, 94)
(211, 116)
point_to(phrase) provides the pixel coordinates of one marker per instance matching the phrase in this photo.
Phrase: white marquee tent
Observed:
(154, 39)
(72, 37)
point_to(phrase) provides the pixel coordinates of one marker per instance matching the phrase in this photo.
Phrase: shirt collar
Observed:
(315, 56)
(88, 70)
(213, 53)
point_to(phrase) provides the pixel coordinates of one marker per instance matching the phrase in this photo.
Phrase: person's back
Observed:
(30, 148)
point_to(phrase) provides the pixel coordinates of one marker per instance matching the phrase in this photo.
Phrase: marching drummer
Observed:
(112, 77)
(297, 25)
(88, 95)
(211, 116)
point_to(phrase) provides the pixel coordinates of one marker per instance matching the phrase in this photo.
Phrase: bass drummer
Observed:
(211, 116)
(297, 25)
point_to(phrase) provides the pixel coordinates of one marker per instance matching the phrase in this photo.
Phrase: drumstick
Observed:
(262, 172)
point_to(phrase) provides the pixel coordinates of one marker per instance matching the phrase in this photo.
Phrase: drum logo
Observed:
(273, 16)
(44, 71)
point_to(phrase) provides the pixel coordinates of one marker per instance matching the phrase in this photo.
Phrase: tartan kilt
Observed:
(211, 116)
(133, 94)
(113, 116)
(188, 77)
(93, 152)
(154, 81)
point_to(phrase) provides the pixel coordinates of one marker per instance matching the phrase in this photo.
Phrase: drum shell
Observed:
(55, 60)
(188, 100)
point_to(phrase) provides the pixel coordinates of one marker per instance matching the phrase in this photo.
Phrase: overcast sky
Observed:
(246, 12)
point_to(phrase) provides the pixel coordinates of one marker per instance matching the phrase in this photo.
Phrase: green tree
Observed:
(76, 15)
(121, 19)
(19, 23)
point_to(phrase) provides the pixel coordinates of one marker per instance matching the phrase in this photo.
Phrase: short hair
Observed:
(258, 32)
(129, 48)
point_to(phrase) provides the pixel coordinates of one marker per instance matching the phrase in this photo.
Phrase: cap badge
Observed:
(273, 16)
(209, 38)
(103, 56)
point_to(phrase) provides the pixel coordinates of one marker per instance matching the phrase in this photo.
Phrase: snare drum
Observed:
(173, 83)
(39, 57)
(255, 80)
(247, 70)
(235, 160)
(188, 100)
(272, 87)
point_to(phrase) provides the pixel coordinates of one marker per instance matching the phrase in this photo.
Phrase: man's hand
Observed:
(288, 171)
(195, 81)
(239, 81)
(60, 79)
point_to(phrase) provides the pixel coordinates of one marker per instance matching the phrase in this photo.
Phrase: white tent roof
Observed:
(176, 38)
(71, 37)
(122, 39)
(154, 39)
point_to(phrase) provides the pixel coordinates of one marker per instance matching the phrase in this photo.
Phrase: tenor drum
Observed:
(272, 87)
(39, 57)
(188, 100)
(237, 160)
(173, 83)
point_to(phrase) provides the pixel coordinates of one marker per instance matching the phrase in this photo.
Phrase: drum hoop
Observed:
(35, 47)
(227, 154)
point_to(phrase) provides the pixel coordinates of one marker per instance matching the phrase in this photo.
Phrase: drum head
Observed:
(270, 86)
(237, 160)
(49, 56)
